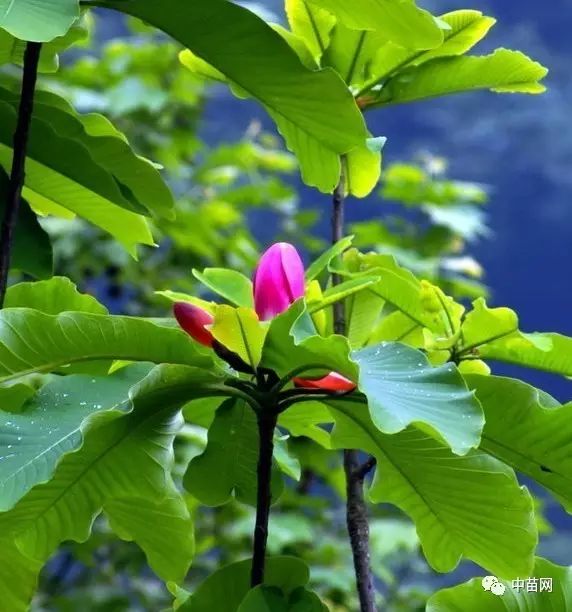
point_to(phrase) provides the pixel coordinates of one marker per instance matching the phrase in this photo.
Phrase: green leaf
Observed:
(363, 169)
(264, 599)
(467, 28)
(38, 21)
(402, 389)
(12, 50)
(271, 599)
(64, 174)
(17, 570)
(323, 261)
(544, 351)
(31, 342)
(292, 343)
(527, 433)
(400, 21)
(363, 309)
(397, 327)
(240, 331)
(503, 71)
(311, 24)
(227, 587)
(230, 284)
(52, 425)
(470, 506)
(303, 419)
(472, 597)
(56, 295)
(229, 463)
(351, 52)
(339, 292)
(252, 56)
(139, 180)
(126, 455)
(168, 549)
(483, 325)
(492, 333)
(31, 246)
(398, 286)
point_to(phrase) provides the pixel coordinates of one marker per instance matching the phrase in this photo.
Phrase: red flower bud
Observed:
(278, 280)
(332, 382)
(194, 321)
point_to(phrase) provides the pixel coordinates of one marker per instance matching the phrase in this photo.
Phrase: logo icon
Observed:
(492, 584)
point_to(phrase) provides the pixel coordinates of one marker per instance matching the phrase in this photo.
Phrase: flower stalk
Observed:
(266, 424)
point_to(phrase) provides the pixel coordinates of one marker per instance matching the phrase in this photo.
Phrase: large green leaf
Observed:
(139, 181)
(125, 458)
(229, 463)
(38, 21)
(66, 175)
(550, 589)
(400, 21)
(527, 433)
(227, 587)
(503, 71)
(31, 246)
(51, 425)
(256, 59)
(402, 388)
(467, 28)
(56, 295)
(470, 506)
(31, 342)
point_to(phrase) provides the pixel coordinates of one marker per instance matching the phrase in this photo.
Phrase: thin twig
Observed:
(266, 425)
(356, 508)
(17, 175)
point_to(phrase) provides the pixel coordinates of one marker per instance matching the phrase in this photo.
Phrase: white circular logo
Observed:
(492, 584)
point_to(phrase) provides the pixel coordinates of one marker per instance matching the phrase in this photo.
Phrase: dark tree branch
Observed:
(266, 425)
(358, 529)
(356, 508)
(365, 468)
(17, 175)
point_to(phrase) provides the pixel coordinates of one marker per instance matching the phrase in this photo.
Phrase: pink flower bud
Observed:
(193, 320)
(332, 382)
(278, 280)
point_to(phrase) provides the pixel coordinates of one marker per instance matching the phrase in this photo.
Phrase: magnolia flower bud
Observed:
(194, 321)
(332, 382)
(278, 280)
